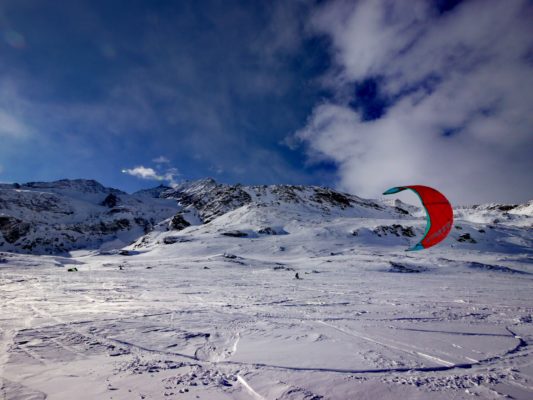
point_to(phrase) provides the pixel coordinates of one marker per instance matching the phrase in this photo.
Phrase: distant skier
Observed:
(297, 276)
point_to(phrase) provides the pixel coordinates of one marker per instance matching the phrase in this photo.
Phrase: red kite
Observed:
(439, 214)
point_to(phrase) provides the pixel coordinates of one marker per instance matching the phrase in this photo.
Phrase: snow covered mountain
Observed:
(504, 214)
(320, 216)
(258, 292)
(57, 217)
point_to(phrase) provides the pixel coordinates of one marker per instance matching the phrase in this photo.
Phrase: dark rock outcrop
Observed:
(236, 234)
(178, 222)
(13, 228)
(333, 198)
(111, 200)
(395, 229)
(57, 217)
(466, 238)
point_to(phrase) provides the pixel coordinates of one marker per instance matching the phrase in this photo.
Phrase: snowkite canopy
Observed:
(439, 214)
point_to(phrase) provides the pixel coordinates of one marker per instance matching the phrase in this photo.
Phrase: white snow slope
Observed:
(214, 310)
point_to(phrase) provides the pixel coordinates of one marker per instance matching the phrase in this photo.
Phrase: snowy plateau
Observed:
(212, 291)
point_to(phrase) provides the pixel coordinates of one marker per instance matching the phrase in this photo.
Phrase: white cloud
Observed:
(143, 173)
(161, 160)
(169, 175)
(480, 57)
(12, 127)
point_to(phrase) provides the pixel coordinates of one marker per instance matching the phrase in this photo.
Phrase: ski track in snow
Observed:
(359, 335)
(250, 390)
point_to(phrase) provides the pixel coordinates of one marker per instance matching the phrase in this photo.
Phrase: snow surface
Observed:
(200, 314)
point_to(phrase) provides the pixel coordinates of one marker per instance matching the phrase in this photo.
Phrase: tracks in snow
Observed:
(249, 389)
(445, 365)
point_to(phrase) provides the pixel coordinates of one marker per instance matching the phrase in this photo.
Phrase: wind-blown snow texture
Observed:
(203, 300)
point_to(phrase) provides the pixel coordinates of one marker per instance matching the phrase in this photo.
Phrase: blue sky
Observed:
(359, 95)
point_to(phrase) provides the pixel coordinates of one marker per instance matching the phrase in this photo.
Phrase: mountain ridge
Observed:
(65, 215)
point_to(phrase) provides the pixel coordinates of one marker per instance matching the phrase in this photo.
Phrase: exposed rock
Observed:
(267, 230)
(466, 238)
(112, 226)
(56, 217)
(507, 207)
(500, 207)
(235, 233)
(211, 199)
(178, 222)
(402, 211)
(13, 228)
(406, 268)
(395, 229)
(175, 239)
(333, 198)
(110, 201)
(283, 268)
(144, 223)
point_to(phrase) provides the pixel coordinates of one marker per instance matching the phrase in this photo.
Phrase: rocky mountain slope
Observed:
(57, 217)
(322, 217)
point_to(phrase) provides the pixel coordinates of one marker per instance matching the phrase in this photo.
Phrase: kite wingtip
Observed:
(395, 189)
(392, 190)
(417, 247)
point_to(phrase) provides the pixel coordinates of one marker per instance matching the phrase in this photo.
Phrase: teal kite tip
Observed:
(393, 190)
(417, 247)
